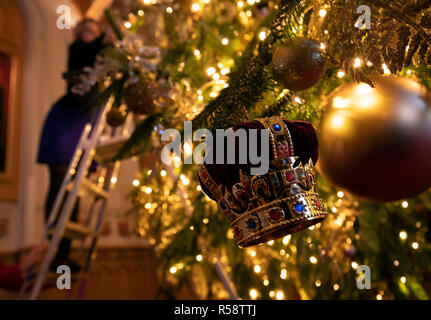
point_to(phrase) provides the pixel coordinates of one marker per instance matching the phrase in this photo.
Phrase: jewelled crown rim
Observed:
(282, 151)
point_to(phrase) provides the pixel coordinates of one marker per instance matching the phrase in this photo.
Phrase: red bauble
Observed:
(298, 65)
(376, 142)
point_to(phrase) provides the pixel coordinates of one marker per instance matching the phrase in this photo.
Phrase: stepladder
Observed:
(91, 174)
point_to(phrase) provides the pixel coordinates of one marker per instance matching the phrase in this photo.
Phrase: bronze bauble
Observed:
(299, 64)
(376, 142)
(138, 97)
(115, 117)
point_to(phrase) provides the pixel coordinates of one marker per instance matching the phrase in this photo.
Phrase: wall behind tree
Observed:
(21, 222)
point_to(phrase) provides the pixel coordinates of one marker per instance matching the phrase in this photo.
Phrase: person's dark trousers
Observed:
(57, 173)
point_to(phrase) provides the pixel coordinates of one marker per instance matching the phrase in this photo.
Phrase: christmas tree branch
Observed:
(247, 85)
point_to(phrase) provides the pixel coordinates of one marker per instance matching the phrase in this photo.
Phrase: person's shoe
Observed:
(74, 267)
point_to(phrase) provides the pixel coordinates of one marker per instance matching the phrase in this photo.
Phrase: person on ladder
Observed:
(66, 122)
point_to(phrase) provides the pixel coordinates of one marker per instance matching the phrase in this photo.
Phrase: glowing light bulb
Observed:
(279, 295)
(163, 173)
(173, 270)
(225, 41)
(224, 71)
(252, 253)
(140, 12)
(404, 204)
(357, 63)
(415, 245)
(318, 283)
(403, 279)
(313, 259)
(196, 7)
(135, 183)
(148, 190)
(340, 74)
(336, 287)
(266, 282)
(354, 265)
(257, 268)
(127, 24)
(147, 205)
(298, 100)
(403, 235)
(286, 239)
(253, 293)
(262, 35)
(386, 69)
(322, 13)
(169, 10)
(187, 149)
(270, 242)
(211, 71)
(199, 257)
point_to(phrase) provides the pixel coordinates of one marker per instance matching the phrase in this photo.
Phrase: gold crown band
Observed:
(266, 222)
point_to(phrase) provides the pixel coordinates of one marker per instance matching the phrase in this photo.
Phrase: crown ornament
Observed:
(265, 207)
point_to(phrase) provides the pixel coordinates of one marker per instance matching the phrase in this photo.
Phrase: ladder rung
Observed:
(76, 231)
(90, 186)
(108, 148)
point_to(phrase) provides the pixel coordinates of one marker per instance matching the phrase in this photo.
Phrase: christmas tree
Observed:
(221, 62)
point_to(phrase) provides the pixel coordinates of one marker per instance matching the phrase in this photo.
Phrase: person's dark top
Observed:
(82, 55)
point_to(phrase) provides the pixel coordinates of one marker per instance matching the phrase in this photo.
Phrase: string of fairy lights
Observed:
(257, 263)
(343, 215)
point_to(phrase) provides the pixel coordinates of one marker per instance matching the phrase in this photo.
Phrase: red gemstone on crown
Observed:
(275, 214)
(290, 176)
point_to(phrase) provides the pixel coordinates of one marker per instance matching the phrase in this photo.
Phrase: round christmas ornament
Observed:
(115, 117)
(138, 98)
(376, 142)
(298, 65)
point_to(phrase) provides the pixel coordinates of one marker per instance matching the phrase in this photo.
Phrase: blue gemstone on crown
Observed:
(299, 207)
(276, 127)
(251, 224)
